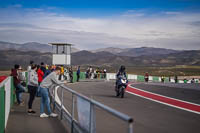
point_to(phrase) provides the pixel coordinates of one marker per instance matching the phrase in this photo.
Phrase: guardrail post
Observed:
(54, 98)
(72, 124)
(61, 112)
(130, 128)
(91, 118)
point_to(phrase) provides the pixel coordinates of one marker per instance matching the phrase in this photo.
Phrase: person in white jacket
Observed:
(32, 87)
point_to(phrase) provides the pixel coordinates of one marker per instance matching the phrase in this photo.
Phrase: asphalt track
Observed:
(149, 116)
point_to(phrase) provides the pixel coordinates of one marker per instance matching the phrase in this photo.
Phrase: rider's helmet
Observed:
(122, 69)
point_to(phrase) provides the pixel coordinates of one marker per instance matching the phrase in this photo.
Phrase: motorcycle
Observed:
(121, 86)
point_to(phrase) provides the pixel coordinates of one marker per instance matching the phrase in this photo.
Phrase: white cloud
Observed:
(130, 29)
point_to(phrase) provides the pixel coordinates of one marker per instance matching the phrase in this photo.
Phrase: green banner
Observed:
(155, 79)
(2, 109)
(140, 78)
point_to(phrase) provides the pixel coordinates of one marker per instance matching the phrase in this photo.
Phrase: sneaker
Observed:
(21, 104)
(53, 115)
(43, 115)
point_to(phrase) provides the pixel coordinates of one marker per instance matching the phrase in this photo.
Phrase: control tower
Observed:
(61, 53)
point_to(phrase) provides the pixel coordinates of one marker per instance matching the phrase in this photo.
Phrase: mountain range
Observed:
(30, 46)
(132, 52)
(12, 53)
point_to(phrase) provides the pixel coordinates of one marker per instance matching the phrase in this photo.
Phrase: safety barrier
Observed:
(7, 99)
(140, 78)
(86, 120)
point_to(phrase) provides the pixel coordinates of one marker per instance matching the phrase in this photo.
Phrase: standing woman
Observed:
(32, 87)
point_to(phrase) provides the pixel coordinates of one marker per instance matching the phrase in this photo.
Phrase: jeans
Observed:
(44, 100)
(19, 90)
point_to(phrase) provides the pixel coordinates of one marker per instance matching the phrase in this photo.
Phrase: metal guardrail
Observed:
(70, 117)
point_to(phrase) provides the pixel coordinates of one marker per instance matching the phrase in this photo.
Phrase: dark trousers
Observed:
(78, 76)
(32, 91)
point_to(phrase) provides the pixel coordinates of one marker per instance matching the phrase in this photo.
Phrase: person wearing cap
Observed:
(17, 83)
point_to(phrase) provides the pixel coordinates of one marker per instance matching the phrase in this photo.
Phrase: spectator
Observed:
(104, 71)
(43, 67)
(40, 74)
(29, 67)
(17, 84)
(146, 77)
(32, 87)
(192, 81)
(162, 79)
(95, 74)
(61, 73)
(185, 80)
(176, 79)
(21, 77)
(71, 74)
(98, 72)
(87, 72)
(47, 72)
(90, 72)
(44, 90)
(78, 73)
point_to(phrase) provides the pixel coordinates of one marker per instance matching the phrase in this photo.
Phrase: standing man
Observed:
(78, 73)
(71, 74)
(50, 80)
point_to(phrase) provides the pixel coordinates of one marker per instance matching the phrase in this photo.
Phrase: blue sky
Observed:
(91, 24)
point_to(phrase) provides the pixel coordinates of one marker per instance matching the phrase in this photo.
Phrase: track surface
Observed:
(149, 116)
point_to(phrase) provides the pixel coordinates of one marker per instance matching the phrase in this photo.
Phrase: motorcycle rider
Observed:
(120, 73)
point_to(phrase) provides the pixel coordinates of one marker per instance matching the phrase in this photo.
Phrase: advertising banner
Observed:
(84, 111)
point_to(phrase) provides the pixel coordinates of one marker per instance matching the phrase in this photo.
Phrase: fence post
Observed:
(61, 112)
(72, 124)
(2, 109)
(91, 118)
(54, 99)
(130, 128)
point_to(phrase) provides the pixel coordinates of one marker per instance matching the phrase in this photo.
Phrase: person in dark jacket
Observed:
(71, 74)
(42, 67)
(78, 73)
(17, 84)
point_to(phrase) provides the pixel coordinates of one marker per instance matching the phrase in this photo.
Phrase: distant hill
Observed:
(109, 49)
(11, 57)
(30, 46)
(135, 52)
(108, 59)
